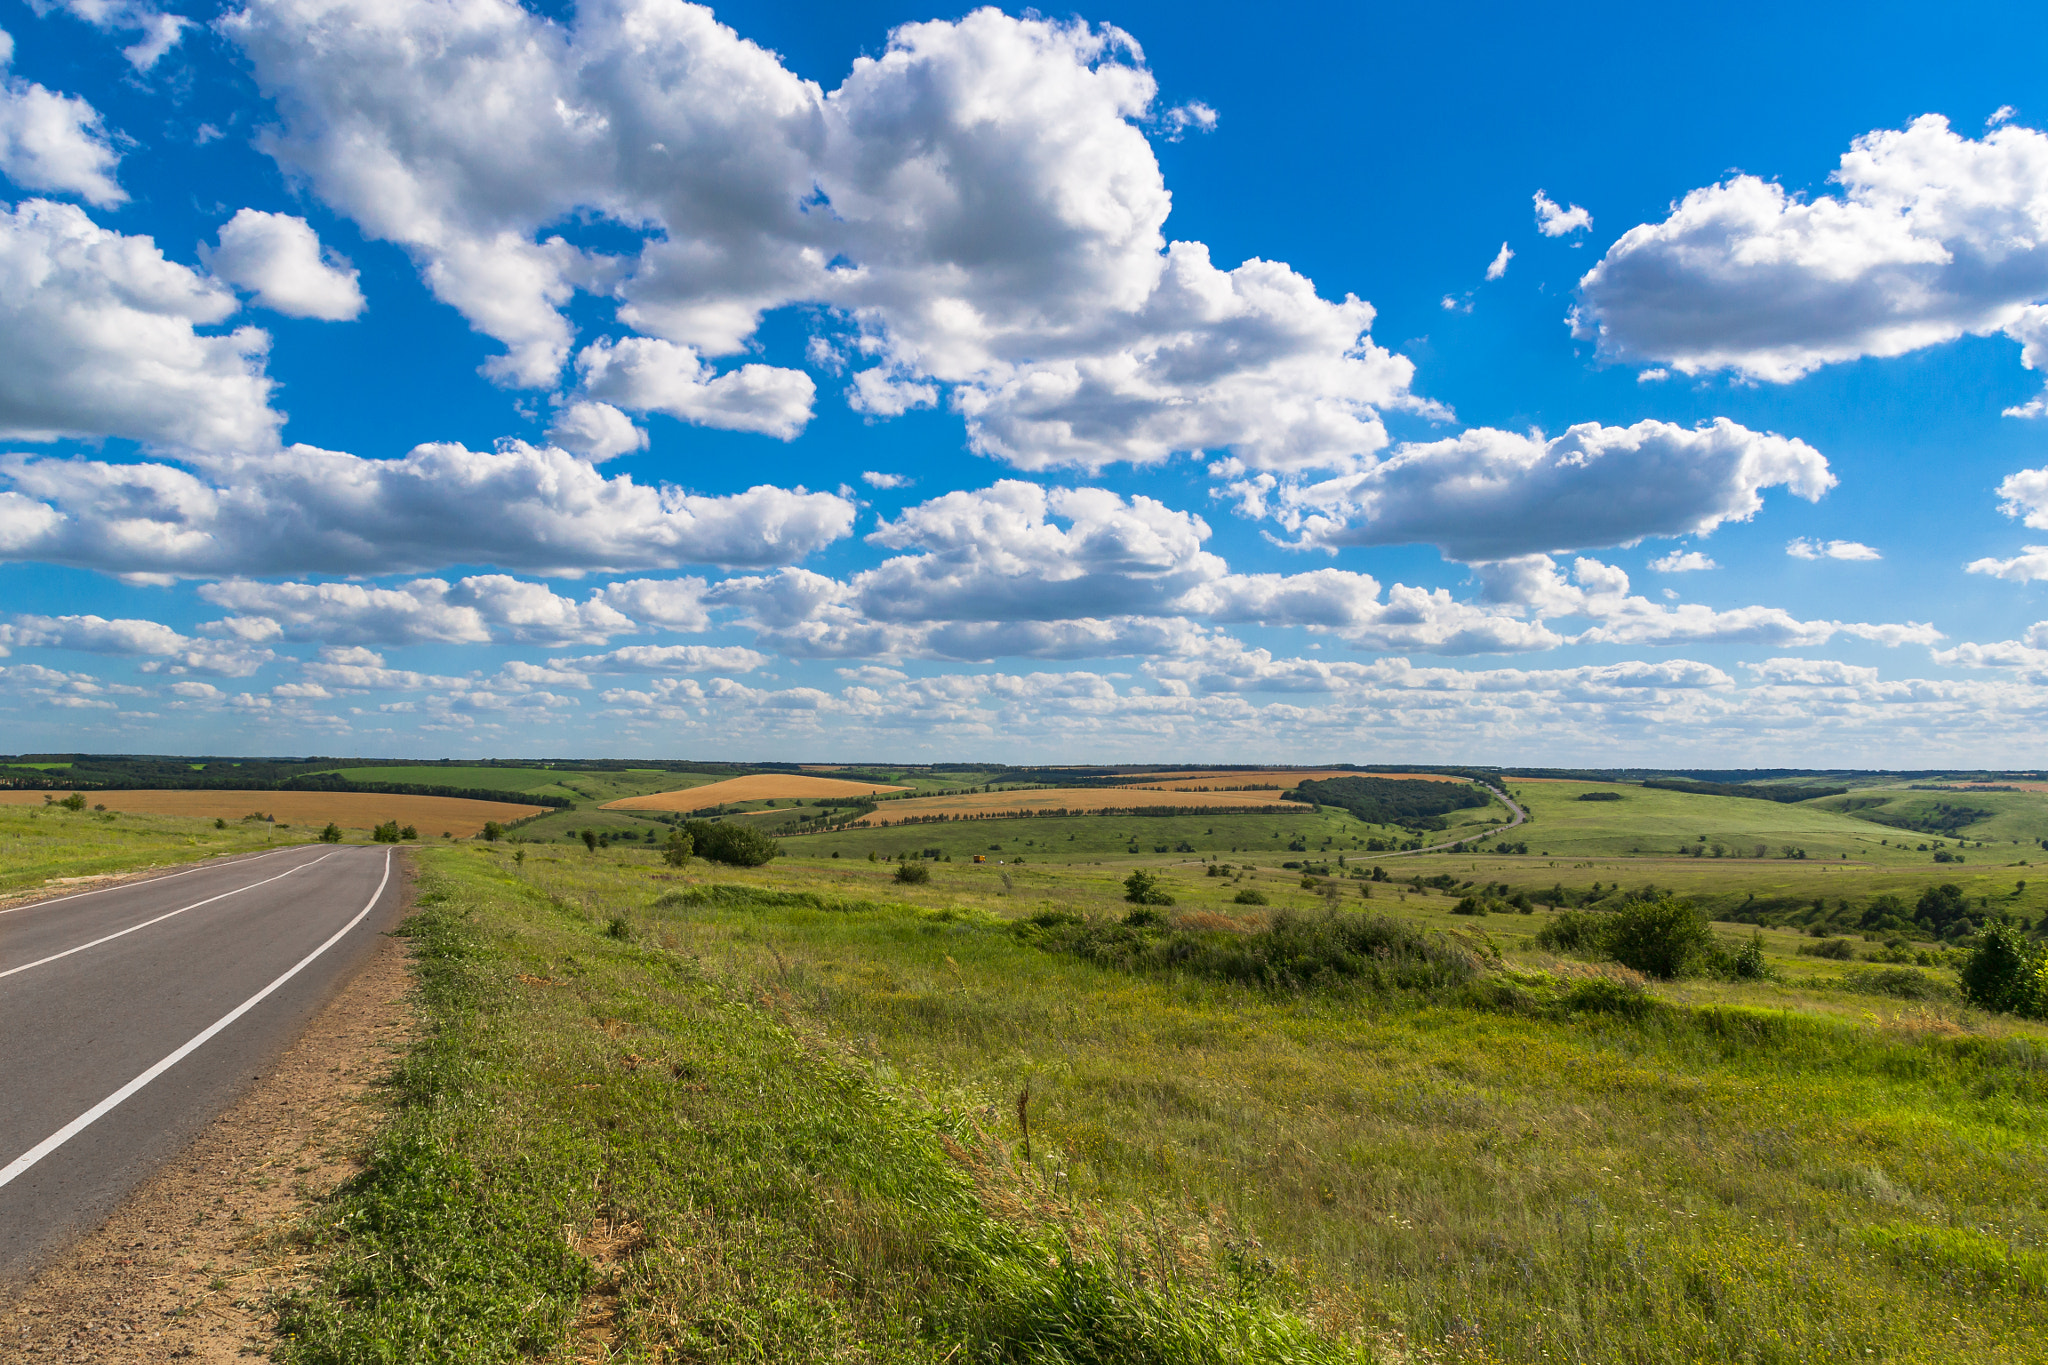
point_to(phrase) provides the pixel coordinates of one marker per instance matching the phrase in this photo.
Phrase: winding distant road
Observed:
(1505, 800)
(130, 1016)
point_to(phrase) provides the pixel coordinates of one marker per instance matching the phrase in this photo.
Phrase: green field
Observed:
(38, 845)
(591, 786)
(774, 1115)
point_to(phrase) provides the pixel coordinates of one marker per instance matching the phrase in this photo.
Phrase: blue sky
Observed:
(1144, 382)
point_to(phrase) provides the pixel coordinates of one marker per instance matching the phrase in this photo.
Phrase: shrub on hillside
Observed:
(1142, 888)
(913, 874)
(332, 834)
(1664, 938)
(678, 850)
(2005, 972)
(1836, 949)
(737, 845)
(1249, 897)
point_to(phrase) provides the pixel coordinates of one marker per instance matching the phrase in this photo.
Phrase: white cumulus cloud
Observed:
(977, 206)
(97, 338)
(54, 142)
(471, 610)
(305, 510)
(1804, 548)
(1682, 561)
(1932, 236)
(1488, 494)
(598, 430)
(157, 32)
(651, 375)
(1554, 220)
(278, 258)
(2029, 567)
(1499, 266)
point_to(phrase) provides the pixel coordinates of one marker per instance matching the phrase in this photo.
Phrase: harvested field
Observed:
(430, 815)
(1069, 801)
(1268, 777)
(758, 787)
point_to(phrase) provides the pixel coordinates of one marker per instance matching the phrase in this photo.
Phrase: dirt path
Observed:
(183, 1269)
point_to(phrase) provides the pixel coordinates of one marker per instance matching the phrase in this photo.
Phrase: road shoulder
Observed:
(185, 1267)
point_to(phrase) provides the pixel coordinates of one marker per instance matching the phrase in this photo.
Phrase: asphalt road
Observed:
(131, 1016)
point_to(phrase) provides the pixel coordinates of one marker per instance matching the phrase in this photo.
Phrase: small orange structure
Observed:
(980, 858)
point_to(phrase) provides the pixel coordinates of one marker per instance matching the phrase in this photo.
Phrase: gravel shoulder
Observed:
(183, 1270)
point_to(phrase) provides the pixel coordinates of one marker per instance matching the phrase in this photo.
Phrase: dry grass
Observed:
(431, 815)
(1223, 781)
(757, 787)
(1070, 800)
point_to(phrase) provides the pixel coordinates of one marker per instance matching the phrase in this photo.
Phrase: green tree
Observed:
(493, 831)
(76, 801)
(590, 840)
(913, 874)
(386, 833)
(332, 834)
(676, 852)
(2004, 972)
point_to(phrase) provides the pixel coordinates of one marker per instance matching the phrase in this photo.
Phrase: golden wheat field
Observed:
(1072, 800)
(1286, 777)
(756, 787)
(432, 816)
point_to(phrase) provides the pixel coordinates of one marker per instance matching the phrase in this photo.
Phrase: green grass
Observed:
(584, 787)
(2020, 817)
(37, 845)
(598, 1128)
(783, 1126)
(1071, 838)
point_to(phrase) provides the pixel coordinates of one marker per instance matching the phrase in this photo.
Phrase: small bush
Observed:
(1661, 938)
(1144, 917)
(1142, 888)
(1574, 931)
(913, 874)
(736, 845)
(1249, 897)
(676, 852)
(1834, 949)
(2005, 972)
(332, 834)
(493, 831)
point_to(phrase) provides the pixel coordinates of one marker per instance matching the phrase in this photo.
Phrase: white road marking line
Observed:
(168, 914)
(208, 866)
(106, 1106)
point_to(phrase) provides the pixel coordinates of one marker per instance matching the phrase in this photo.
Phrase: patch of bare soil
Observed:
(185, 1267)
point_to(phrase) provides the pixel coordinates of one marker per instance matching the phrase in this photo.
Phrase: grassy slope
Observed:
(36, 845)
(592, 787)
(748, 1106)
(602, 1131)
(2017, 816)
